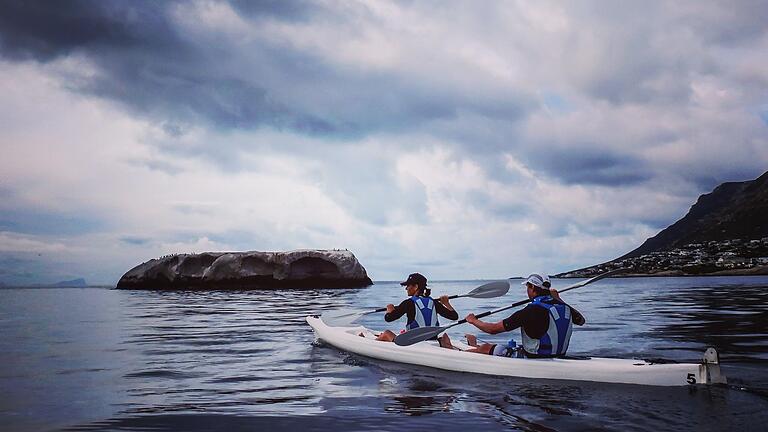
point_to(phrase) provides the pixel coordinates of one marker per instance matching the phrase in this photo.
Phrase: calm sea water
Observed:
(97, 359)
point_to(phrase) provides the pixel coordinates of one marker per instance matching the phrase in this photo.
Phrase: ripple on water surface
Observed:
(110, 360)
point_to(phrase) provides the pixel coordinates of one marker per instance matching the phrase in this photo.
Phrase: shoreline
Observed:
(754, 271)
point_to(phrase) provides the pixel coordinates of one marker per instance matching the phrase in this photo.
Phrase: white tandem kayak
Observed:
(596, 369)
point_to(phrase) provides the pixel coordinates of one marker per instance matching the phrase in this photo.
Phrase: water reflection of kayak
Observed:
(607, 370)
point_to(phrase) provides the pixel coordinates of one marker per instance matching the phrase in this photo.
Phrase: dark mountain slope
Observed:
(736, 210)
(724, 232)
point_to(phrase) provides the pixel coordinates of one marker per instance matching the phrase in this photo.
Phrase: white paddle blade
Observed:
(341, 317)
(595, 278)
(490, 290)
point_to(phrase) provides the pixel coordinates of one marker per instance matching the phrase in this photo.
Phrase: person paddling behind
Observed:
(545, 323)
(421, 309)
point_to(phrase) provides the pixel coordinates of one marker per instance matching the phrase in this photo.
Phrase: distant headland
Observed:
(305, 268)
(74, 283)
(724, 233)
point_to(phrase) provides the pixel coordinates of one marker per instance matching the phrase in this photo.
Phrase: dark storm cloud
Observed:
(288, 10)
(591, 166)
(44, 30)
(179, 91)
(147, 62)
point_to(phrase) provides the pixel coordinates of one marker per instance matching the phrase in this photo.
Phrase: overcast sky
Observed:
(459, 139)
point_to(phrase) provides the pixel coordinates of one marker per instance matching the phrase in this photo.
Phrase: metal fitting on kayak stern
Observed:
(709, 369)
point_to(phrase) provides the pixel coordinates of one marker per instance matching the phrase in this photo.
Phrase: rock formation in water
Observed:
(249, 270)
(725, 232)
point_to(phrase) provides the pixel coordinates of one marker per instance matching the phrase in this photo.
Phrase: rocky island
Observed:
(307, 268)
(724, 233)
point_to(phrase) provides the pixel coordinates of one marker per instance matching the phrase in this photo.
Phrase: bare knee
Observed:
(445, 341)
(471, 339)
(386, 336)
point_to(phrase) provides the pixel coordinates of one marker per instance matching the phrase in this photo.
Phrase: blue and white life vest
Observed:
(425, 313)
(555, 341)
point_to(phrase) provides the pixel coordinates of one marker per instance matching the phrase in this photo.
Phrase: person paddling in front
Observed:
(419, 308)
(545, 323)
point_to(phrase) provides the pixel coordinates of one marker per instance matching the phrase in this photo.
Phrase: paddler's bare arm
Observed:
(444, 308)
(490, 328)
(444, 300)
(395, 312)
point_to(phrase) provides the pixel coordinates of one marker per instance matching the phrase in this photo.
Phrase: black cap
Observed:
(416, 279)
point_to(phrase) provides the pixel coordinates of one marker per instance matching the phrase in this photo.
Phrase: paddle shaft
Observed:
(455, 296)
(485, 314)
(522, 302)
(489, 290)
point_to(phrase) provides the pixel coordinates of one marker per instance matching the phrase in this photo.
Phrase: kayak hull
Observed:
(624, 371)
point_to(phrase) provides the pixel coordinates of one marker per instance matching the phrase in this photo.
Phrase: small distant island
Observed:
(724, 233)
(74, 283)
(305, 268)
